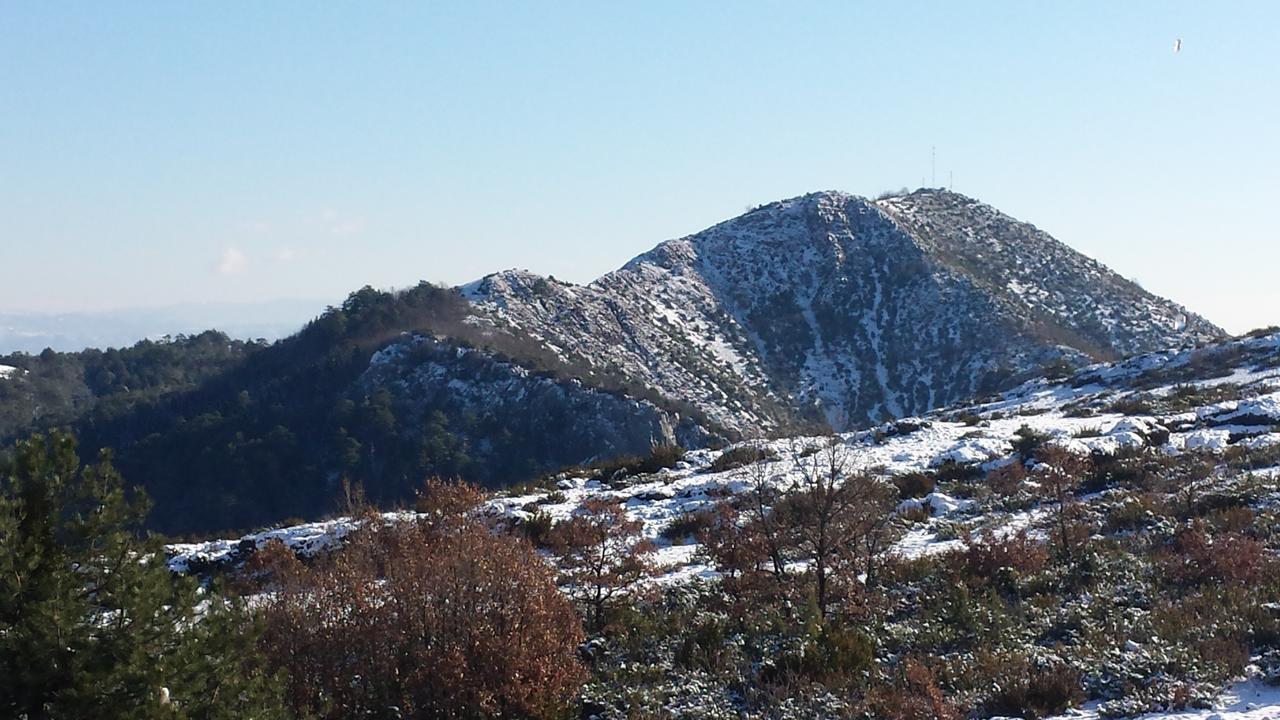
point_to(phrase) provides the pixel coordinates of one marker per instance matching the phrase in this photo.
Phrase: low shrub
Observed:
(1132, 405)
(915, 695)
(537, 529)
(1231, 558)
(1007, 480)
(1035, 691)
(952, 471)
(689, 525)
(914, 484)
(1001, 560)
(660, 458)
(739, 456)
(1027, 441)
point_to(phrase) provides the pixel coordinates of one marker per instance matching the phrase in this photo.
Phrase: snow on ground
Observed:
(981, 434)
(1250, 700)
(7, 370)
(305, 539)
(1079, 413)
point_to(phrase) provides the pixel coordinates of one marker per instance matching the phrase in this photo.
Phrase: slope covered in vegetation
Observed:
(1107, 538)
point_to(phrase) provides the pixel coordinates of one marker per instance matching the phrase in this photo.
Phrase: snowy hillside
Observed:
(826, 311)
(835, 308)
(1216, 408)
(1174, 402)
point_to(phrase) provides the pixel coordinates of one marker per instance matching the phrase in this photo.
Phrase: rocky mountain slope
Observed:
(843, 310)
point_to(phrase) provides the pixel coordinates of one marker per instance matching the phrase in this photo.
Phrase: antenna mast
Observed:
(933, 159)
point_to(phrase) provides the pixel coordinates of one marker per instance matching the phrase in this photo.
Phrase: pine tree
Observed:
(92, 622)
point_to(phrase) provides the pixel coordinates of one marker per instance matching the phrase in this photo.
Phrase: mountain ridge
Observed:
(806, 257)
(822, 311)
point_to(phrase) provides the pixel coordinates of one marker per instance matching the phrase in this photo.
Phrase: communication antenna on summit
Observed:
(951, 180)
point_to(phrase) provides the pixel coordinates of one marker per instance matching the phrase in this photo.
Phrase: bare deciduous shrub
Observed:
(989, 557)
(1197, 558)
(421, 620)
(808, 541)
(914, 696)
(1060, 472)
(601, 556)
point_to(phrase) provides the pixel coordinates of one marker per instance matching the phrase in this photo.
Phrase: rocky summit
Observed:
(835, 309)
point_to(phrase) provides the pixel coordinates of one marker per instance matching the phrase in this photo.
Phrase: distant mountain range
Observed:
(826, 310)
(69, 332)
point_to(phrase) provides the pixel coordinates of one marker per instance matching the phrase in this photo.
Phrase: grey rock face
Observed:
(511, 412)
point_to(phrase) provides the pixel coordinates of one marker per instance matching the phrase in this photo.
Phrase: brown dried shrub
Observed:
(438, 618)
(1231, 558)
(1235, 519)
(915, 696)
(989, 558)
(1006, 480)
(601, 556)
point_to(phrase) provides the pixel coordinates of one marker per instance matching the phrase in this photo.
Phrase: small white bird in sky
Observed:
(1177, 45)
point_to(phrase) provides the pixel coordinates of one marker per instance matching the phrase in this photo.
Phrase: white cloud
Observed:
(339, 224)
(232, 262)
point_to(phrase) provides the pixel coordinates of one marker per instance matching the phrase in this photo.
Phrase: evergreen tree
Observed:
(92, 622)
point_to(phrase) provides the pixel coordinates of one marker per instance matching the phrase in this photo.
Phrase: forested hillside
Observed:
(55, 388)
(225, 434)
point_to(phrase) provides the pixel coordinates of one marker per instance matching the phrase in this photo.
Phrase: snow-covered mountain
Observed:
(839, 309)
(822, 310)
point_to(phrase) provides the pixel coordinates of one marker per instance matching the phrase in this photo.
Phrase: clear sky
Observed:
(161, 152)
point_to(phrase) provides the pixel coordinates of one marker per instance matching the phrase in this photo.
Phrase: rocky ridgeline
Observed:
(836, 309)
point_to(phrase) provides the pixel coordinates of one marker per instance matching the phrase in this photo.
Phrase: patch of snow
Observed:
(1249, 700)
(1206, 439)
(972, 451)
(1266, 406)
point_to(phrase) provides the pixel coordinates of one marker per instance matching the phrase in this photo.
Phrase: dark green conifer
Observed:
(92, 622)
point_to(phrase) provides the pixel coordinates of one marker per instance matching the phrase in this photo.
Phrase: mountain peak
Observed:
(833, 307)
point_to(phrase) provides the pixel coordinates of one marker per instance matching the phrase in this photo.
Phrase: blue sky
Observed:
(154, 153)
